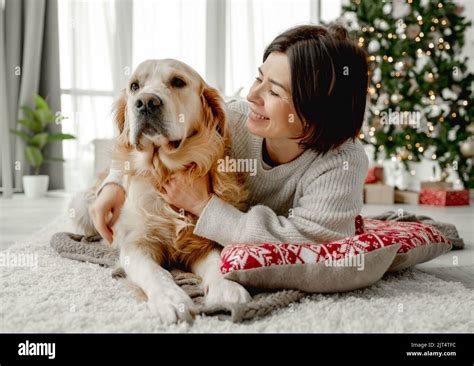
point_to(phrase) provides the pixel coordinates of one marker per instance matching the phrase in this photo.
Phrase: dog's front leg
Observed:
(218, 289)
(165, 298)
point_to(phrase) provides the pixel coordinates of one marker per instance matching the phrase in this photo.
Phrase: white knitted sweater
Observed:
(310, 199)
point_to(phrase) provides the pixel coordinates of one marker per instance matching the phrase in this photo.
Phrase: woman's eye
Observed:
(134, 87)
(178, 82)
(271, 92)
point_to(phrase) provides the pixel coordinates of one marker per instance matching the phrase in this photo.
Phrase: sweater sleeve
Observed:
(326, 211)
(115, 176)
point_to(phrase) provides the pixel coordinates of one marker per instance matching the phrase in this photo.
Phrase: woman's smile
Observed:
(257, 116)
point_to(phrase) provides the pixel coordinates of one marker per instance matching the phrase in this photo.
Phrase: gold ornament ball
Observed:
(470, 128)
(404, 154)
(396, 98)
(467, 147)
(376, 122)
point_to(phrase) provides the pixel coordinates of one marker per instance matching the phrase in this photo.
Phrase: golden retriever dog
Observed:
(170, 120)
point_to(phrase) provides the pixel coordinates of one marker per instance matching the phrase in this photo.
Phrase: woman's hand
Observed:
(192, 198)
(105, 210)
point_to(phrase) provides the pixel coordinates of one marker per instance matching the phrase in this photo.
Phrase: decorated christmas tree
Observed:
(420, 90)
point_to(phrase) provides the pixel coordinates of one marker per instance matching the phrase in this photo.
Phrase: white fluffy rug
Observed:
(62, 295)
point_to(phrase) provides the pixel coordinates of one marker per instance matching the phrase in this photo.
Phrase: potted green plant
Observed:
(36, 137)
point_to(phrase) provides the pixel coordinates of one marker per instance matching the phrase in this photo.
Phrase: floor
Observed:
(20, 217)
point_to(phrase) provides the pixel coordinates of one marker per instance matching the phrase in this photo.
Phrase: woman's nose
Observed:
(254, 95)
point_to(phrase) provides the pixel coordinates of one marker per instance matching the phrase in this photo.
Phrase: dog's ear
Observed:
(120, 119)
(214, 113)
(119, 111)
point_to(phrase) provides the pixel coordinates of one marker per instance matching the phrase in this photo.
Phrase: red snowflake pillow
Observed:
(419, 243)
(342, 265)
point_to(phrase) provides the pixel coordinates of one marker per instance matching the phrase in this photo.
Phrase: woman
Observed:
(304, 111)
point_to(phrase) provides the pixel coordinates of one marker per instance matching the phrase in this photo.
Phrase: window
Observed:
(86, 83)
(101, 42)
(330, 10)
(170, 29)
(250, 27)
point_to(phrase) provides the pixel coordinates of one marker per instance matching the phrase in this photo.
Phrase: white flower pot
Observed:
(35, 186)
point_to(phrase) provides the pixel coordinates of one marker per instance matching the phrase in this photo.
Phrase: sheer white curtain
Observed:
(252, 24)
(331, 9)
(170, 29)
(100, 44)
(86, 82)
(102, 41)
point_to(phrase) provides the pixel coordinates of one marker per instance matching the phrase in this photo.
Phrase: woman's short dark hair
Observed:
(328, 83)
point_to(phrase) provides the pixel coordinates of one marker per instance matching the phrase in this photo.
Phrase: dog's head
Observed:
(164, 103)
(169, 120)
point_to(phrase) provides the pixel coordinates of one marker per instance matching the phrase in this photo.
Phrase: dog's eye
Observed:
(134, 87)
(178, 82)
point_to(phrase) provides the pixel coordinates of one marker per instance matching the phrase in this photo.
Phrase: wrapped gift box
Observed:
(439, 185)
(409, 197)
(378, 194)
(374, 175)
(444, 197)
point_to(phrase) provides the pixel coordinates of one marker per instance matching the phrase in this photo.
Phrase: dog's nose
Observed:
(148, 104)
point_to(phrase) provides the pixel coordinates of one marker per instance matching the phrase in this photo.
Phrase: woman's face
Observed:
(272, 114)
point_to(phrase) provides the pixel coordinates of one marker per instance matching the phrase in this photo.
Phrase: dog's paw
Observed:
(223, 290)
(172, 305)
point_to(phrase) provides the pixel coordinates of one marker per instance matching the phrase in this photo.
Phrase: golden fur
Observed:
(169, 237)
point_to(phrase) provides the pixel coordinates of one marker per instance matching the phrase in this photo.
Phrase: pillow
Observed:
(342, 265)
(419, 242)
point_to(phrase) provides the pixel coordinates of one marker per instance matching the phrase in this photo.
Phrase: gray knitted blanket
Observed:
(91, 249)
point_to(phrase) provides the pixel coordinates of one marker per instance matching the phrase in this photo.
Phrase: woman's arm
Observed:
(325, 212)
(110, 197)
(115, 176)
